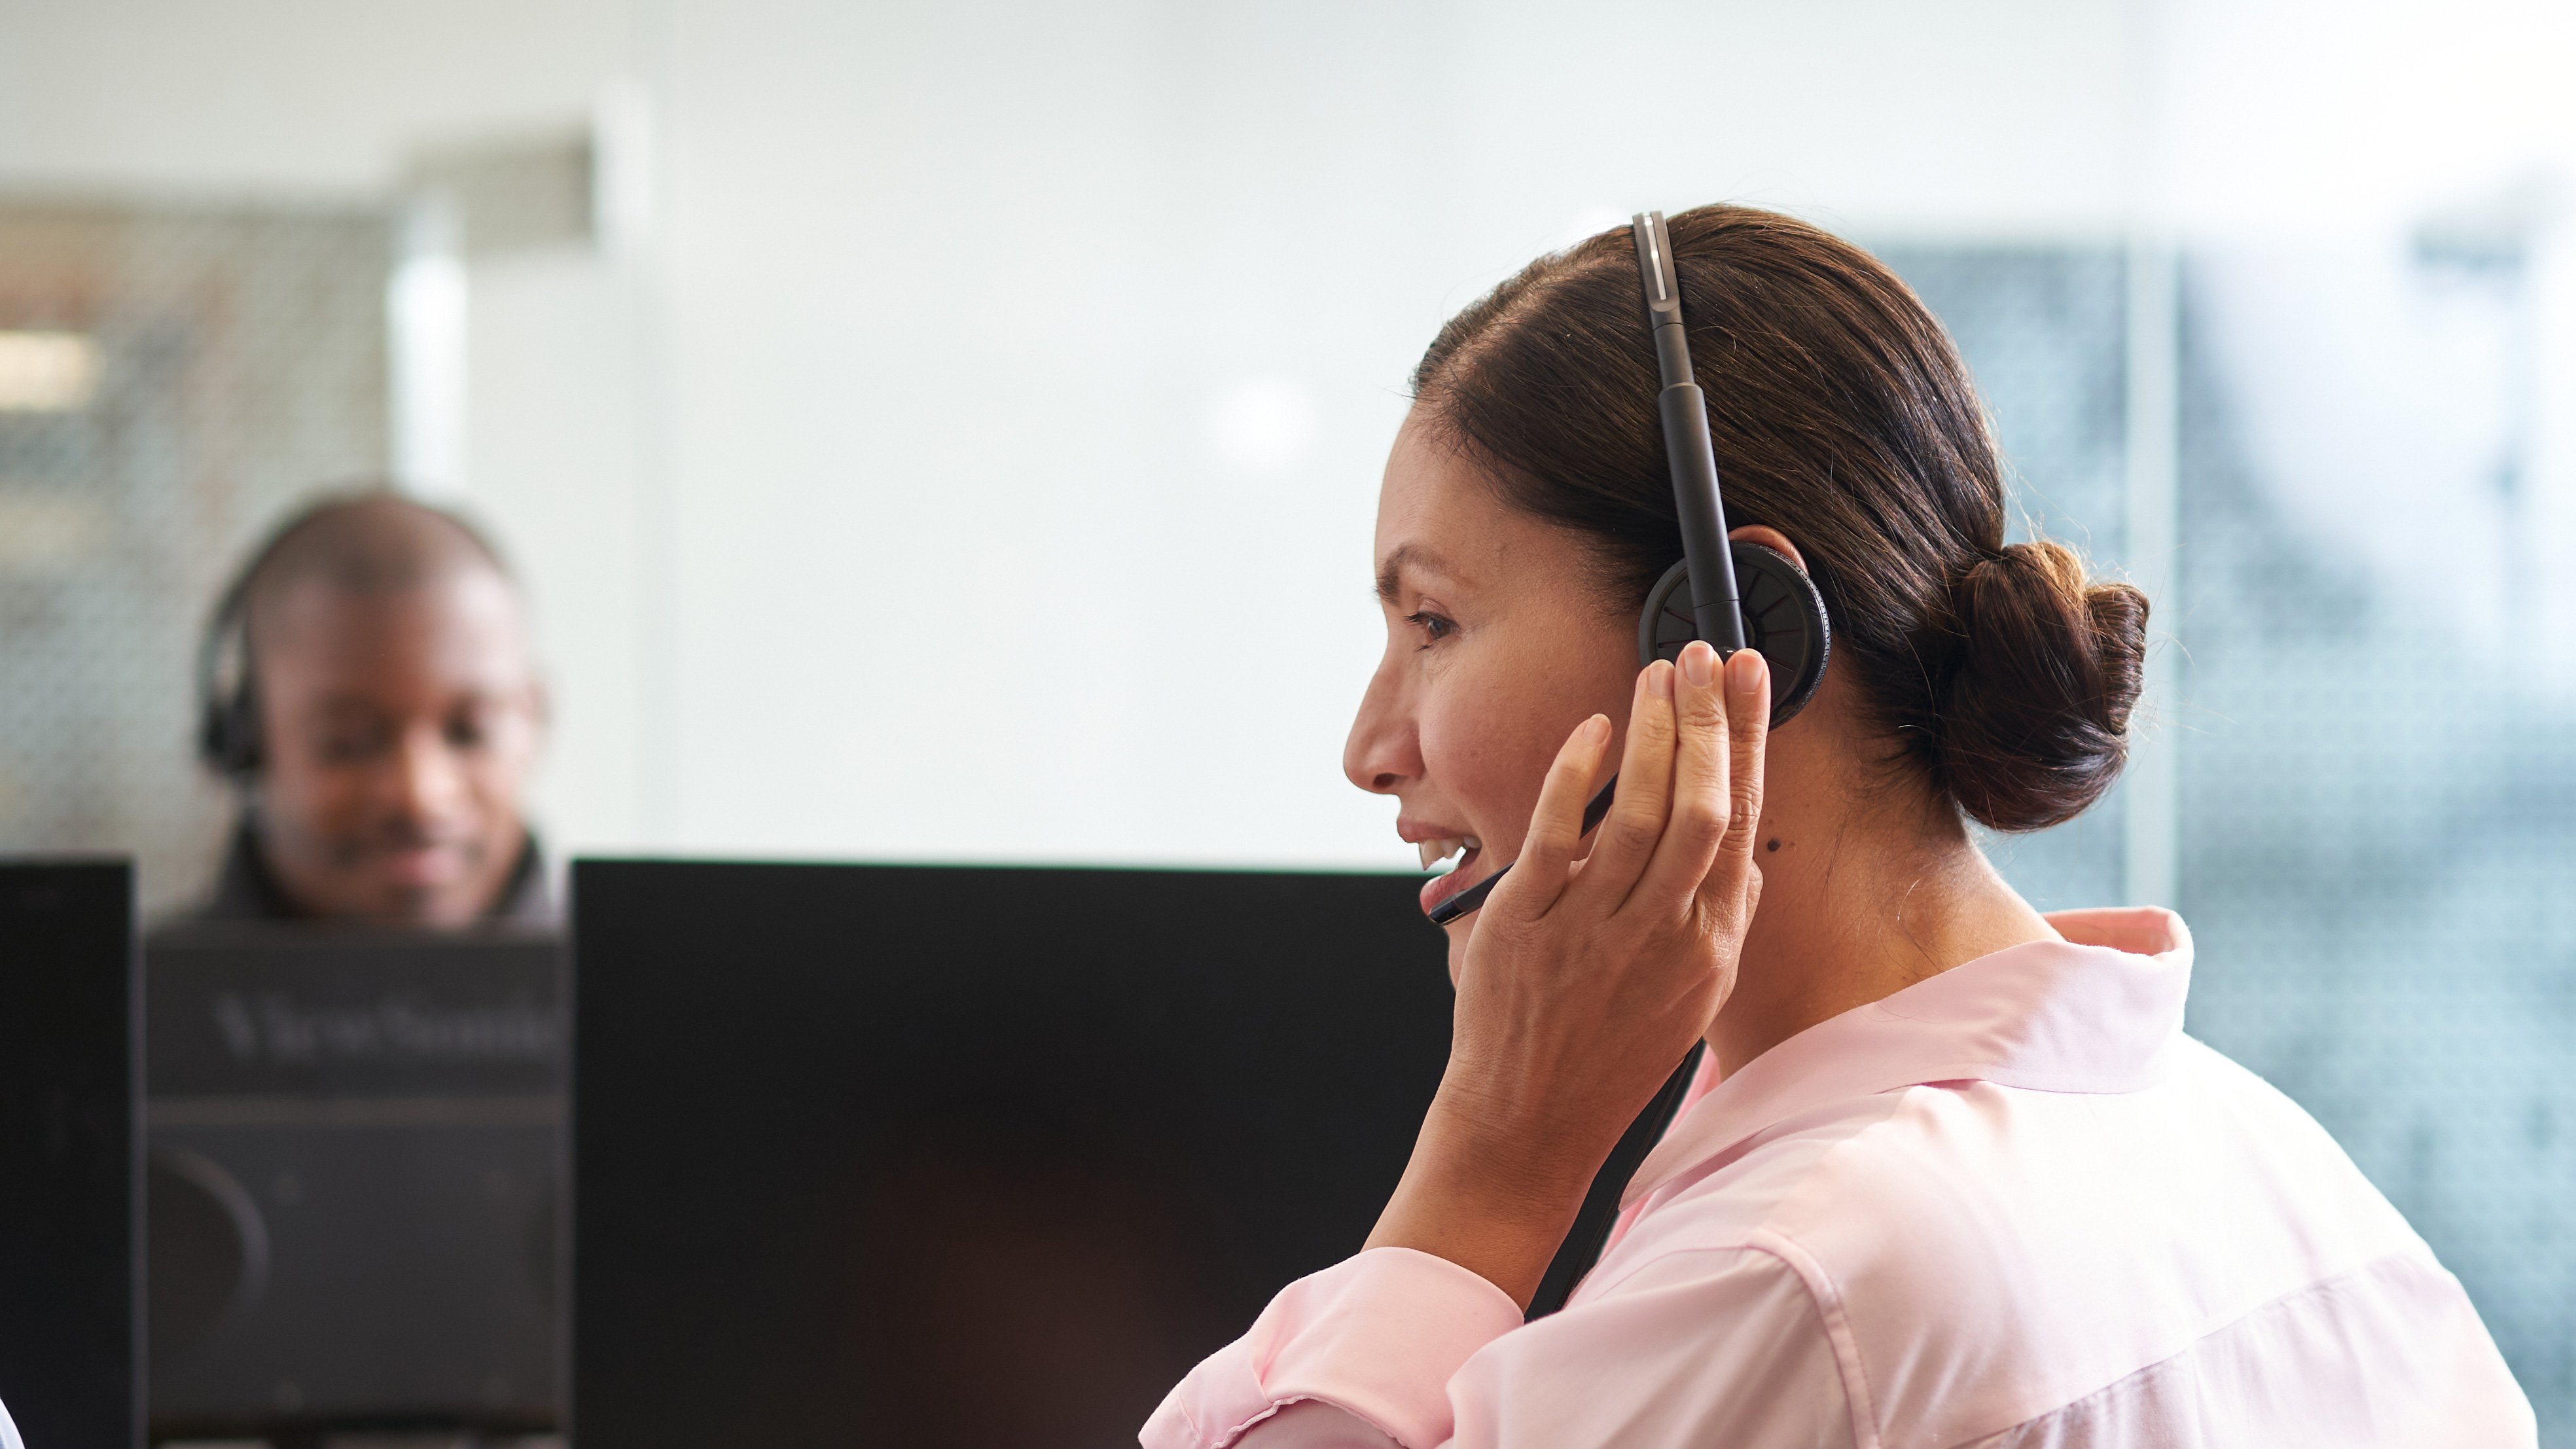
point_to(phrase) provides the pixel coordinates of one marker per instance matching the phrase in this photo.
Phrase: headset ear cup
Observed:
(228, 734)
(243, 754)
(1784, 617)
(210, 736)
(228, 731)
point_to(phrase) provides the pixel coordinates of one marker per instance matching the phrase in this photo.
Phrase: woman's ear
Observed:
(1772, 539)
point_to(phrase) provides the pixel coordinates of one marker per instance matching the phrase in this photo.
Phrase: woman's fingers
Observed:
(1556, 826)
(1748, 710)
(1699, 814)
(1636, 818)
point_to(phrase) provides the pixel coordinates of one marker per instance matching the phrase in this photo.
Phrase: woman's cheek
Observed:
(1460, 770)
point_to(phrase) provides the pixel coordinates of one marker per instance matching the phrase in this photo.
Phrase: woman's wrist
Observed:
(1476, 1194)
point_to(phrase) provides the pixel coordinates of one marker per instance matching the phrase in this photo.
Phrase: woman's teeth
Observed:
(1435, 852)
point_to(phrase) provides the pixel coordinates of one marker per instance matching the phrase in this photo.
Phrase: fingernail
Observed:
(1659, 680)
(1697, 660)
(1744, 673)
(1596, 729)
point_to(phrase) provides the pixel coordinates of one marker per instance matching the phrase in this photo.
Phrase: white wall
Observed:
(279, 102)
(281, 98)
(876, 500)
(953, 294)
(2295, 118)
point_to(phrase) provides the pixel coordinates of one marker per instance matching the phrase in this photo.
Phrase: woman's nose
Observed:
(1383, 750)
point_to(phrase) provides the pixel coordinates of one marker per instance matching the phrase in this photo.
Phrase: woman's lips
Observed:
(1441, 887)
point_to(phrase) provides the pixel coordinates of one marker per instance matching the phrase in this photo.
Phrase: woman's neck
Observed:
(1857, 908)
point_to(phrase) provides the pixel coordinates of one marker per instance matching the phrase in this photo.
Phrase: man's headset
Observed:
(228, 729)
(1735, 596)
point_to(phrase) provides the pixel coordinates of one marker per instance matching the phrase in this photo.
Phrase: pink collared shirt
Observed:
(2011, 1205)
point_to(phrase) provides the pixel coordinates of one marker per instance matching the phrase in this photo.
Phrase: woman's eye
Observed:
(1434, 628)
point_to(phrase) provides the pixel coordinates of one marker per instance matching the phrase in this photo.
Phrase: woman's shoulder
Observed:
(1940, 1169)
(2021, 1248)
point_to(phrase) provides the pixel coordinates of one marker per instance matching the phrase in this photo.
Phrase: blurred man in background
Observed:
(367, 684)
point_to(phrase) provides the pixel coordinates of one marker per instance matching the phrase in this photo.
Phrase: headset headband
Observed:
(1687, 451)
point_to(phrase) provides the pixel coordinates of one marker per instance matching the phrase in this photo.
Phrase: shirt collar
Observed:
(246, 890)
(2094, 1012)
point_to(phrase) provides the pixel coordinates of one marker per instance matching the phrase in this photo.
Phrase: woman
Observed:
(1950, 1173)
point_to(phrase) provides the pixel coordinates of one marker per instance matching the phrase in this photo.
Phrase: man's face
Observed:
(399, 729)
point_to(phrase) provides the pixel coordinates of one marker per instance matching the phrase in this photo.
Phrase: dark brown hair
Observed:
(1842, 417)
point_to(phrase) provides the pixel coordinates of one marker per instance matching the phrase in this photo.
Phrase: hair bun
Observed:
(2032, 719)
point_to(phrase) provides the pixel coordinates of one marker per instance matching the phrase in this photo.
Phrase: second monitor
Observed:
(894, 1155)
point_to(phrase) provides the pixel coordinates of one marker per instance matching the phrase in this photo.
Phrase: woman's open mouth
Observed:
(1460, 855)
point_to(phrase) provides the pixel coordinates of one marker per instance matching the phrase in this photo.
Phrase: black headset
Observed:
(1735, 595)
(1740, 595)
(228, 729)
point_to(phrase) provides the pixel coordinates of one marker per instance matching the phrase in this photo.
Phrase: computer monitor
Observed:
(70, 1358)
(354, 1180)
(877, 1155)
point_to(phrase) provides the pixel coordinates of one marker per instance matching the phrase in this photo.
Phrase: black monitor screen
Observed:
(914, 1155)
(68, 1186)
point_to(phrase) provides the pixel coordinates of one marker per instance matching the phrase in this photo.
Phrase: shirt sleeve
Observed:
(1698, 1347)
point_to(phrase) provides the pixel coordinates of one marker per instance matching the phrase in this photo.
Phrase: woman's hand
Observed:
(1587, 980)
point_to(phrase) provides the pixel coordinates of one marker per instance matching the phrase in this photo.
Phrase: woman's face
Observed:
(1498, 643)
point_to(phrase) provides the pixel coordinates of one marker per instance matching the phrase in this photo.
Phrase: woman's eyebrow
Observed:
(1390, 573)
